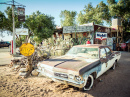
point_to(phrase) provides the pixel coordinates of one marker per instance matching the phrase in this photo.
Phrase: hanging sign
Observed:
(73, 29)
(21, 31)
(21, 14)
(101, 35)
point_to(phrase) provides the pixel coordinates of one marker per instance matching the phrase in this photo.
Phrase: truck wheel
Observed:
(88, 83)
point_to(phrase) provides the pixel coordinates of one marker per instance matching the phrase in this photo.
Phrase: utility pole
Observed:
(13, 17)
(14, 43)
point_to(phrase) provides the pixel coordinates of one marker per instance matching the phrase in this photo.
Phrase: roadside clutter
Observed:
(20, 63)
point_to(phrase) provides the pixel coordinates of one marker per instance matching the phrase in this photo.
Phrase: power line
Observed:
(13, 3)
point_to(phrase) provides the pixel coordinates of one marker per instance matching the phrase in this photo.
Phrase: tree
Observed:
(86, 16)
(102, 12)
(40, 25)
(67, 18)
(97, 15)
(121, 10)
(2, 23)
(7, 22)
(2, 20)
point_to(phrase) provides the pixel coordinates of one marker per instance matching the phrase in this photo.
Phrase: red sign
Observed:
(123, 45)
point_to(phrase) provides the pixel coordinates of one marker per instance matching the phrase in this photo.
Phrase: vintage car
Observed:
(81, 65)
(4, 44)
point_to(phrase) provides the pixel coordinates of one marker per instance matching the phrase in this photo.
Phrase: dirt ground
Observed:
(114, 83)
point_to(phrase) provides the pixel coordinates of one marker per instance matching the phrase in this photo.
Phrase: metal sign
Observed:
(123, 45)
(27, 49)
(73, 29)
(21, 31)
(101, 35)
(21, 14)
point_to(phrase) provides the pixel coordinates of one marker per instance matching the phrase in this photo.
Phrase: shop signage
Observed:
(21, 31)
(101, 35)
(21, 14)
(123, 45)
(73, 29)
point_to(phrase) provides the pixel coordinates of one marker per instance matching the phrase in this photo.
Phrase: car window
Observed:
(108, 51)
(102, 53)
(83, 52)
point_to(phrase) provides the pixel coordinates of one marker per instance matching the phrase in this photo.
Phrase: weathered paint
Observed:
(78, 66)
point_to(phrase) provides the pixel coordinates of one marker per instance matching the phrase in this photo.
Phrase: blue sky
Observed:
(51, 7)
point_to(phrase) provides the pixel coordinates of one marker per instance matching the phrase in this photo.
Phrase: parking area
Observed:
(114, 83)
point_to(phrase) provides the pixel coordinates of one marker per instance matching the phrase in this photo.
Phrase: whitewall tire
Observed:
(88, 83)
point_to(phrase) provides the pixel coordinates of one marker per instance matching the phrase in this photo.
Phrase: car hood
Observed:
(67, 63)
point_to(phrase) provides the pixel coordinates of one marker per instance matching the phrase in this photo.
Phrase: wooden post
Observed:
(29, 64)
(117, 35)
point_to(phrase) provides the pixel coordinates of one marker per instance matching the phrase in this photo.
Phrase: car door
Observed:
(2, 44)
(110, 58)
(103, 59)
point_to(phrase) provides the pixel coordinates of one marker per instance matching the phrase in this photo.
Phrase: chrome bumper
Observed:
(68, 82)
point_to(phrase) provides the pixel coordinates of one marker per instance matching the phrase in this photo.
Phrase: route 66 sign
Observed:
(27, 49)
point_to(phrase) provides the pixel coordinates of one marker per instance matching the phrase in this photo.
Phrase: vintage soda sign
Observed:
(101, 35)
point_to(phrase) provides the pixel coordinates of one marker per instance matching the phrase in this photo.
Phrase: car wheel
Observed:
(114, 66)
(88, 83)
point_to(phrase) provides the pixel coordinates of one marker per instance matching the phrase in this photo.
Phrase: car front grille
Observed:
(61, 75)
(48, 72)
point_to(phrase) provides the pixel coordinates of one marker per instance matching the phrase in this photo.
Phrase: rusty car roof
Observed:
(91, 45)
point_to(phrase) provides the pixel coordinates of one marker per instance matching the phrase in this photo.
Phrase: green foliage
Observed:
(86, 16)
(120, 10)
(103, 12)
(20, 40)
(7, 22)
(96, 15)
(2, 20)
(68, 18)
(40, 25)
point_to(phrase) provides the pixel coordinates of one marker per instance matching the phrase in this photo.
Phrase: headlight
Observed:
(77, 78)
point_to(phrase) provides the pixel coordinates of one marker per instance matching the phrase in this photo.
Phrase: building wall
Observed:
(98, 28)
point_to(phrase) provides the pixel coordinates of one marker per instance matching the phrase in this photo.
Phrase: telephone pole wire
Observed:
(13, 16)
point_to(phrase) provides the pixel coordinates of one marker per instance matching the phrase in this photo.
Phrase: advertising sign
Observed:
(123, 45)
(73, 29)
(101, 35)
(21, 14)
(21, 31)
(27, 49)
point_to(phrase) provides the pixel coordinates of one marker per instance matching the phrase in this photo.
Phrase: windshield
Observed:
(83, 52)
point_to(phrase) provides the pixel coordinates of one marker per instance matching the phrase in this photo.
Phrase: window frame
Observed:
(105, 52)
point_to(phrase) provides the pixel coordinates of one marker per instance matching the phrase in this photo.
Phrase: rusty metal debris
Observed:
(21, 65)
